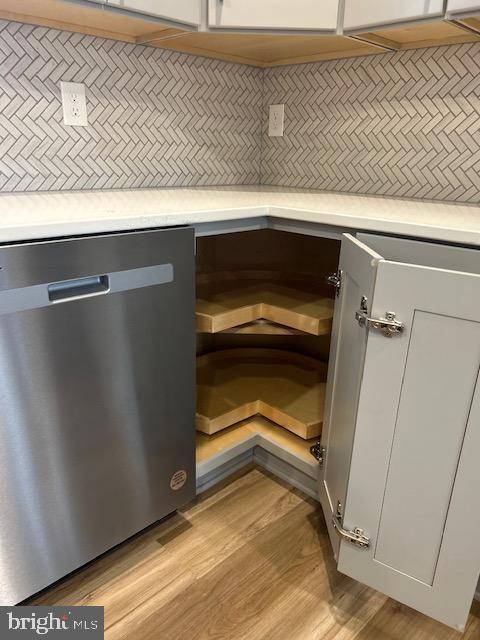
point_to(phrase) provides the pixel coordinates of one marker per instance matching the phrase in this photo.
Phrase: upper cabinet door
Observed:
(184, 11)
(320, 15)
(369, 13)
(399, 485)
(459, 6)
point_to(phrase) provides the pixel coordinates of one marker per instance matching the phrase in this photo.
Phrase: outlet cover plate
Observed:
(74, 104)
(275, 120)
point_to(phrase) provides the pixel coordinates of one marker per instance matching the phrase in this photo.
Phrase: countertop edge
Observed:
(114, 222)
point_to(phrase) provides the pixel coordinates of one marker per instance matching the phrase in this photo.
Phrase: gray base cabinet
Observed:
(400, 477)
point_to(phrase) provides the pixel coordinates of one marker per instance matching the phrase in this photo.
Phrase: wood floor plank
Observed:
(79, 586)
(231, 599)
(248, 561)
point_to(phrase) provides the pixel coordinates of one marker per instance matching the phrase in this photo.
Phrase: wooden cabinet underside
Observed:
(253, 48)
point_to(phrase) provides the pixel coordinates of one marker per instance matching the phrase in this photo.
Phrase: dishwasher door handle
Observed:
(78, 288)
(47, 295)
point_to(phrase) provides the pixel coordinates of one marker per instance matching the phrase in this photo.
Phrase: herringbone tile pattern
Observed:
(157, 118)
(405, 124)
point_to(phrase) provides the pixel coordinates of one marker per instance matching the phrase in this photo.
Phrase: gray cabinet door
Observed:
(402, 424)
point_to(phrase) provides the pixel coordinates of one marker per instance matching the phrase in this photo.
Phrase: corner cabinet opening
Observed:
(380, 375)
(264, 315)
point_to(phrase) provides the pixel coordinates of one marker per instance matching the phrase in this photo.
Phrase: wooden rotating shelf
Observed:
(209, 446)
(284, 387)
(250, 306)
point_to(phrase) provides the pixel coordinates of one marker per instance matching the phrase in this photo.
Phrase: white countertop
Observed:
(29, 216)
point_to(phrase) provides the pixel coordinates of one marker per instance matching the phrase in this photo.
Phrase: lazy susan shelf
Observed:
(207, 447)
(285, 387)
(250, 306)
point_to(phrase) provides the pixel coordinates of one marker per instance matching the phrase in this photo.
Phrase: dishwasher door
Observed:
(97, 397)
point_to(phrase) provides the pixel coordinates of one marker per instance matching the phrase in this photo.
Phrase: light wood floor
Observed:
(252, 561)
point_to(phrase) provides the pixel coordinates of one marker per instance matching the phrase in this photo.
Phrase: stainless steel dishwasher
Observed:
(97, 357)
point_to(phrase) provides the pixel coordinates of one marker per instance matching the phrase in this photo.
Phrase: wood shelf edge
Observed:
(232, 306)
(211, 447)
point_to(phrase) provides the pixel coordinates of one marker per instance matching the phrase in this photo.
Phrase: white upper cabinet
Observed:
(459, 6)
(368, 13)
(399, 484)
(320, 15)
(184, 11)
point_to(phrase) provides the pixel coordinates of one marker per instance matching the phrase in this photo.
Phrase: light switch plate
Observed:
(275, 120)
(74, 104)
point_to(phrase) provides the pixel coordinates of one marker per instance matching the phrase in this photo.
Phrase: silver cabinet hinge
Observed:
(388, 325)
(335, 280)
(318, 452)
(356, 536)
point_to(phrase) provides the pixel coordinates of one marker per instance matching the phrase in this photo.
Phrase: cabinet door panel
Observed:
(379, 12)
(273, 14)
(457, 6)
(185, 11)
(420, 495)
(411, 469)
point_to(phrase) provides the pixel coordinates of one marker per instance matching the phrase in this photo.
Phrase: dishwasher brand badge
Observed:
(178, 479)
(51, 622)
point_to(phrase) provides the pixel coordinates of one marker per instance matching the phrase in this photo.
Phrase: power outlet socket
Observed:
(275, 120)
(74, 104)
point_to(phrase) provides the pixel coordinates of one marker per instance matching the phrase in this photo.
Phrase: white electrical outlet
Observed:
(275, 120)
(74, 104)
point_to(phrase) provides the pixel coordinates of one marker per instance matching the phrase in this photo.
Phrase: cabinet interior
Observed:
(264, 316)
